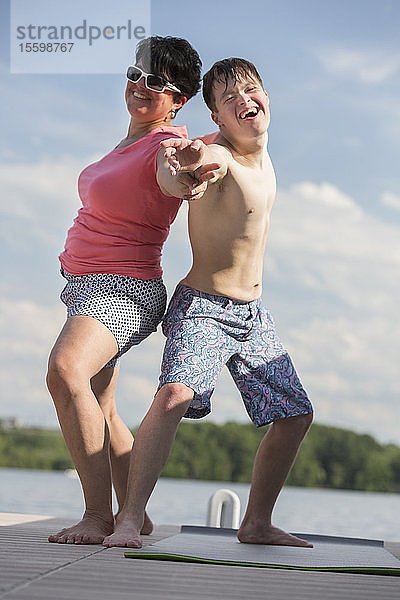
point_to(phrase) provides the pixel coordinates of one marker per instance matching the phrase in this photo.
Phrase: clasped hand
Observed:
(186, 162)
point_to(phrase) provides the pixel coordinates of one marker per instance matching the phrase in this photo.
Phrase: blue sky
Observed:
(332, 71)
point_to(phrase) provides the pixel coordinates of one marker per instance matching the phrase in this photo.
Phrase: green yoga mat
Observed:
(217, 546)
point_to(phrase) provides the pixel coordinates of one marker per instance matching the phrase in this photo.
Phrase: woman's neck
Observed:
(139, 130)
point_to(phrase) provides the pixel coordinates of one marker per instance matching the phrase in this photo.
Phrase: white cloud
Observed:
(32, 190)
(368, 67)
(28, 327)
(27, 331)
(338, 247)
(390, 200)
(51, 117)
(339, 268)
(38, 203)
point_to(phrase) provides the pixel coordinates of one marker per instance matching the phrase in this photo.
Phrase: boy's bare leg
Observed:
(272, 464)
(121, 439)
(81, 350)
(151, 449)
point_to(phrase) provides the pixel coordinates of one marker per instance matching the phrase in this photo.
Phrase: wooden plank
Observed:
(31, 569)
(25, 553)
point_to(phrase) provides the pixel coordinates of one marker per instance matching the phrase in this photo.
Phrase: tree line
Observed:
(329, 457)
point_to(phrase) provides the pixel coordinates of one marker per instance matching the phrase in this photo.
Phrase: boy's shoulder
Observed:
(208, 138)
(216, 142)
(219, 152)
(218, 145)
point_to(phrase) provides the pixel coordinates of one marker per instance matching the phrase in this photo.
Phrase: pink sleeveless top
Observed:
(125, 218)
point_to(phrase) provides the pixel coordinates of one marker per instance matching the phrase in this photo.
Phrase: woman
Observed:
(114, 294)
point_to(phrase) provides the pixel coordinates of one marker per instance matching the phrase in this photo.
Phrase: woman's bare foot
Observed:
(126, 534)
(147, 525)
(268, 534)
(90, 530)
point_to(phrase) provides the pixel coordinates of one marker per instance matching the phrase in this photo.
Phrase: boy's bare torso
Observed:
(228, 228)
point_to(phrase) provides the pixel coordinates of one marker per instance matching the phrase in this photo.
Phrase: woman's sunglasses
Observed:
(156, 83)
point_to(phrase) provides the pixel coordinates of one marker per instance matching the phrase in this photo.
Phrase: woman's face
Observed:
(147, 106)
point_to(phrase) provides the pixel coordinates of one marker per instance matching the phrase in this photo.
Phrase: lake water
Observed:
(185, 502)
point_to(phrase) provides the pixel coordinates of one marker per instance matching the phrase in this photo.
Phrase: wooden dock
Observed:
(31, 568)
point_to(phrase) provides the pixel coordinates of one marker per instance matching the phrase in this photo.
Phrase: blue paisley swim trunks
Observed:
(205, 332)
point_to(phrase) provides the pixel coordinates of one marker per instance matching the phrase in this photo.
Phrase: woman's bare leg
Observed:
(121, 439)
(83, 347)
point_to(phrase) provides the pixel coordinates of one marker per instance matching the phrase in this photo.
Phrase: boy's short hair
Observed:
(222, 71)
(174, 58)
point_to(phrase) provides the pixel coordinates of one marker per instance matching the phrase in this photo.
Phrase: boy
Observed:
(214, 317)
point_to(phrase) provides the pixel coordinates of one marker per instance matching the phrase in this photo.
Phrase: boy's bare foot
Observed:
(148, 525)
(90, 530)
(126, 534)
(268, 534)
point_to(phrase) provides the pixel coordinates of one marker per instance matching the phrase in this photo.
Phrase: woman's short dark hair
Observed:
(222, 71)
(174, 58)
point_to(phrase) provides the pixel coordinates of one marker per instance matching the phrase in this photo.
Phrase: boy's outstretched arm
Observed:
(185, 167)
(193, 155)
(185, 183)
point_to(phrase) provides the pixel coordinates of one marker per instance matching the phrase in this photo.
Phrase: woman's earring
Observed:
(173, 114)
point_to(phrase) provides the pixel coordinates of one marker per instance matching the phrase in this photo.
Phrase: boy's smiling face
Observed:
(241, 107)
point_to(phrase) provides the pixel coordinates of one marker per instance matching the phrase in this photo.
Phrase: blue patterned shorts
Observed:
(205, 332)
